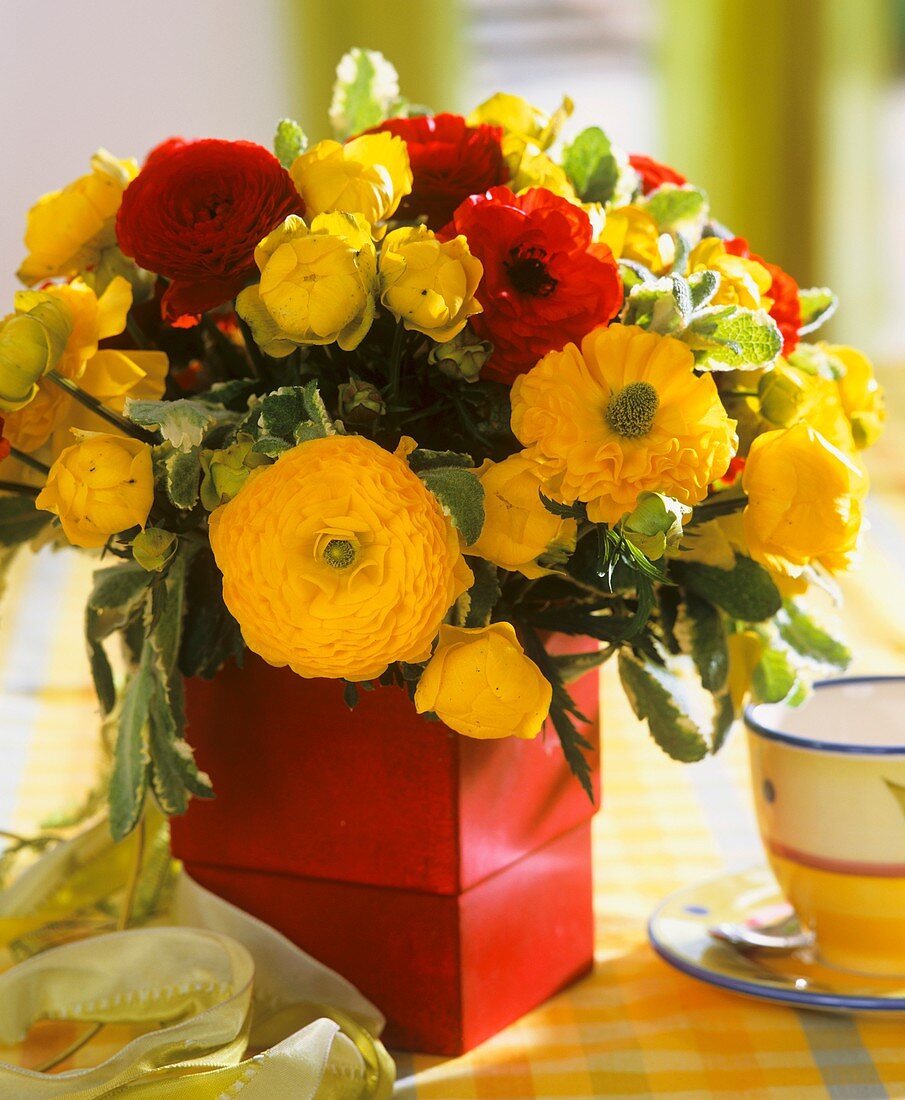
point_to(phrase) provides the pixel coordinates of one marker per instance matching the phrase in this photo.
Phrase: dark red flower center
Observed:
(528, 272)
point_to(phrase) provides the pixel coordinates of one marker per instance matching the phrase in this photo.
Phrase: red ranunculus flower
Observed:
(545, 284)
(654, 174)
(450, 161)
(786, 308)
(195, 213)
(4, 443)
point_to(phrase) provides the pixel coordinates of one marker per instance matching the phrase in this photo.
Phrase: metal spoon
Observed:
(782, 937)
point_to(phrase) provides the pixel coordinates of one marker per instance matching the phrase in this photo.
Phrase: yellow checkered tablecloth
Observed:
(635, 1027)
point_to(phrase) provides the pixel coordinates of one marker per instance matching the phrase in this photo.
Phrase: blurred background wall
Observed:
(791, 113)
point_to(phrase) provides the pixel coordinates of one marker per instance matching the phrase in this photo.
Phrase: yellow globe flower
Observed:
(67, 230)
(742, 282)
(98, 487)
(518, 529)
(369, 175)
(31, 343)
(480, 683)
(337, 560)
(529, 166)
(633, 234)
(514, 114)
(317, 284)
(804, 501)
(624, 414)
(789, 395)
(428, 284)
(862, 396)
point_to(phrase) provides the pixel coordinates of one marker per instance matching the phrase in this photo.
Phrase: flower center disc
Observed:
(528, 273)
(631, 411)
(339, 553)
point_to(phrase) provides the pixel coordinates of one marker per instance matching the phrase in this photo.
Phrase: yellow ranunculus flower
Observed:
(67, 230)
(108, 375)
(428, 284)
(480, 683)
(529, 166)
(514, 114)
(804, 501)
(624, 414)
(32, 341)
(100, 486)
(337, 560)
(632, 234)
(518, 529)
(369, 176)
(742, 282)
(862, 396)
(317, 284)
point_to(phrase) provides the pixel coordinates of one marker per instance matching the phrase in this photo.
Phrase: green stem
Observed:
(135, 331)
(255, 355)
(715, 507)
(27, 460)
(15, 487)
(396, 359)
(740, 393)
(92, 403)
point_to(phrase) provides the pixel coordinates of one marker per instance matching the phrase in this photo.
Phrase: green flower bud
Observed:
(360, 402)
(31, 343)
(154, 548)
(782, 393)
(462, 357)
(226, 471)
(655, 525)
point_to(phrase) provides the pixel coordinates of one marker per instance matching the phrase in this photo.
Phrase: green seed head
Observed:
(339, 553)
(631, 411)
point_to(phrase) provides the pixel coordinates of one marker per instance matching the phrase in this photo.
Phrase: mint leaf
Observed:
(656, 695)
(483, 594)
(365, 90)
(182, 477)
(674, 207)
(703, 285)
(461, 496)
(129, 780)
(591, 166)
(745, 592)
(733, 338)
(817, 306)
(20, 520)
(799, 631)
(182, 423)
(425, 459)
(699, 629)
(289, 141)
(774, 677)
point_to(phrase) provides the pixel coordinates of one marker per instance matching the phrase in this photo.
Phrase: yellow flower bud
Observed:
(68, 230)
(480, 683)
(514, 114)
(518, 529)
(226, 471)
(783, 394)
(862, 396)
(633, 234)
(31, 343)
(360, 402)
(100, 486)
(369, 175)
(429, 284)
(462, 357)
(154, 548)
(804, 501)
(317, 284)
(742, 282)
(655, 524)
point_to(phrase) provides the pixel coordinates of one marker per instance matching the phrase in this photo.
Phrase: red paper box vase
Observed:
(448, 878)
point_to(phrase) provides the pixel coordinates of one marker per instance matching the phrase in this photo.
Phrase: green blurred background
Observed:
(790, 113)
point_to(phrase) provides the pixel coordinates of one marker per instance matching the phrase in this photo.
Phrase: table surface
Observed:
(635, 1027)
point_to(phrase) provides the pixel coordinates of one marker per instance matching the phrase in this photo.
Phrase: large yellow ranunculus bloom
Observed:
(742, 282)
(317, 284)
(862, 396)
(98, 487)
(369, 176)
(428, 284)
(480, 683)
(518, 529)
(106, 374)
(337, 560)
(624, 414)
(804, 501)
(632, 234)
(68, 230)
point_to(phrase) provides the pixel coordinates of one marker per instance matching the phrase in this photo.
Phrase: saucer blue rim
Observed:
(770, 734)
(763, 992)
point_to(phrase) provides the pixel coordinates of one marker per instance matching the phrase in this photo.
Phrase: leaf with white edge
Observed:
(289, 141)
(774, 677)
(116, 596)
(182, 423)
(183, 478)
(425, 459)
(271, 446)
(20, 520)
(809, 639)
(102, 675)
(700, 632)
(483, 594)
(461, 497)
(734, 339)
(572, 666)
(673, 208)
(232, 394)
(166, 781)
(817, 306)
(366, 88)
(129, 780)
(295, 413)
(723, 719)
(210, 635)
(745, 592)
(591, 166)
(680, 259)
(316, 409)
(167, 635)
(654, 306)
(703, 285)
(634, 273)
(681, 291)
(655, 694)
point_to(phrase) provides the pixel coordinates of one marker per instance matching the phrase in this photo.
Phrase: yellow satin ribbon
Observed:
(211, 983)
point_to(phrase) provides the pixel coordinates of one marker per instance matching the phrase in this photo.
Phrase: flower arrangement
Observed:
(394, 407)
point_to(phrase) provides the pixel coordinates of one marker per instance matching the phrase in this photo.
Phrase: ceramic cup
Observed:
(829, 787)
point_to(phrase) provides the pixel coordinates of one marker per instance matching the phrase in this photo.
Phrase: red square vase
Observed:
(449, 879)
